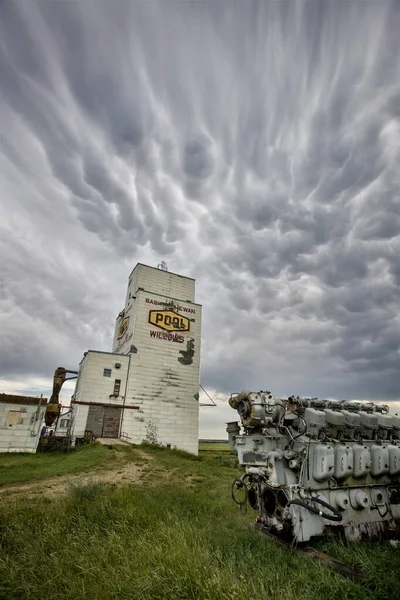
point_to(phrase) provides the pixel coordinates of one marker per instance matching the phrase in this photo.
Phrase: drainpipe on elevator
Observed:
(123, 405)
(37, 418)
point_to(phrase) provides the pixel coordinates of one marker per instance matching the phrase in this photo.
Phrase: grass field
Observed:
(210, 447)
(19, 468)
(171, 533)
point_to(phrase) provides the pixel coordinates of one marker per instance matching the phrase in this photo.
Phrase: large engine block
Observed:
(313, 464)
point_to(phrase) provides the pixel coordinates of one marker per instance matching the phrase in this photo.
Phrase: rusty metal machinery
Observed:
(312, 465)
(53, 408)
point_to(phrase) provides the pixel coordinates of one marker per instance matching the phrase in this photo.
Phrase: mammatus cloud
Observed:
(255, 148)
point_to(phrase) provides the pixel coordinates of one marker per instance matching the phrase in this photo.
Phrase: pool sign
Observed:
(169, 320)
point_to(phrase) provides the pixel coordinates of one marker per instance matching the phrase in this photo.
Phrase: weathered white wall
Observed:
(80, 381)
(122, 344)
(79, 416)
(165, 389)
(160, 282)
(23, 436)
(93, 386)
(168, 285)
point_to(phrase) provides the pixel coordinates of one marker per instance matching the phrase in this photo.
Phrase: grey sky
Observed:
(253, 146)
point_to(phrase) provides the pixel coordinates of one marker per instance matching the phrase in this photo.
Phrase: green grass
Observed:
(176, 536)
(220, 454)
(214, 447)
(23, 468)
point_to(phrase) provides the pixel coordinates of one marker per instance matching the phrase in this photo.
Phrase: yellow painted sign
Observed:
(169, 320)
(123, 328)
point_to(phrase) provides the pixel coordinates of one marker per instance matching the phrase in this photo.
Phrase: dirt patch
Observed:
(123, 474)
(111, 442)
(143, 454)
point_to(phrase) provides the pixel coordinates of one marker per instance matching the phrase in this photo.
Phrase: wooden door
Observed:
(112, 418)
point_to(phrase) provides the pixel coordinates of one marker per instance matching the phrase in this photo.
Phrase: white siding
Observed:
(23, 436)
(161, 282)
(93, 386)
(79, 416)
(123, 344)
(78, 394)
(166, 390)
(168, 286)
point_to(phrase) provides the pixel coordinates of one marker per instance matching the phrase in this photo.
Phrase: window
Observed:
(117, 387)
(64, 423)
(107, 373)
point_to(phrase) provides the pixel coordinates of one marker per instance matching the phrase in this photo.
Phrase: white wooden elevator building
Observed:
(147, 387)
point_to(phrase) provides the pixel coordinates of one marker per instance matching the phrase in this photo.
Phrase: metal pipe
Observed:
(126, 389)
(33, 434)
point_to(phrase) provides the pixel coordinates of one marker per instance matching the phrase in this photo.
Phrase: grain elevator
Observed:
(147, 387)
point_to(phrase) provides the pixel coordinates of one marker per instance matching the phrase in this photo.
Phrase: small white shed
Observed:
(21, 421)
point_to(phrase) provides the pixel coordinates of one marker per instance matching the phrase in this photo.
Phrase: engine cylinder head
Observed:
(385, 426)
(352, 424)
(396, 426)
(369, 424)
(335, 421)
(315, 419)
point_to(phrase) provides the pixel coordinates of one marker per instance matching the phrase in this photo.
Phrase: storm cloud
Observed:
(252, 146)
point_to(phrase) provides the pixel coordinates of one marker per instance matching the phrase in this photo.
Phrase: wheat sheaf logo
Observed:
(123, 328)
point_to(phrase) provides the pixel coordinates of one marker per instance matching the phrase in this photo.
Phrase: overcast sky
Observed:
(252, 146)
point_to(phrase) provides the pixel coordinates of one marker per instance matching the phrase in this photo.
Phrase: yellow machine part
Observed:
(52, 412)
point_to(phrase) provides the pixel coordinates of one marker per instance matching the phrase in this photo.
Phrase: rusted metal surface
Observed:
(124, 406)
(326, 559)
(14, 399)
(52, 412)
(53, 408)
(60, 376)
(333, 563)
